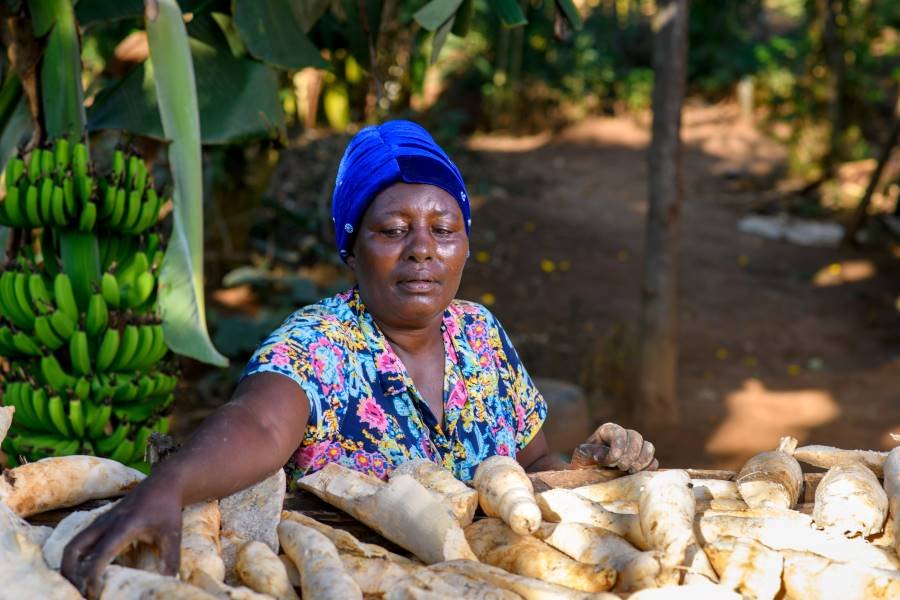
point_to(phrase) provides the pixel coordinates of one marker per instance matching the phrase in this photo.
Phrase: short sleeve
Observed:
(529, 405)
(308, 348)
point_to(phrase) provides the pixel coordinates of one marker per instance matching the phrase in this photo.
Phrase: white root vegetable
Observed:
(505, 491)
(123, 583)
(402, 511)
(772, 479)
(565, 506)
(222, 591)
(201, 550)
(23, 572)
(322, 575)
(809, 576)
(666, 516)
(596, 546)
(344, 540)
(626, 488)
(747, 567)
(6, 419)
(528, 588)
(696, 591)
(715, 489)
(497, 544)
(826, 457)
(63, 481)
(376, 576)
(291, 569)
(67, 529)
(382, 578)
(261, 570)
(461, 499)
(892, 488)
(887, 538)
(795, 532)
(254, 513)
(39, 534)
(850, 501)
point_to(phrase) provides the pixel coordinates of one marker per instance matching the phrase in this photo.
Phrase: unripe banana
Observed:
(80, 160)
(107, 444)
(40, 297)
(79, 353)
(14, 207)
(23, 302)
(64, 296)
(32, 206)
(109, 288)
(62, 324)
(15, 168)
(25, 345)
(61, 154)
(58, 207)
(45, 334)
(45, 204)
(47, 163)
(88, 217)
(118, 167)
(76, 417)
(97, 316)
(53, 374)
(109, 346)
(127, 347)
(57, 411)
(34, 165)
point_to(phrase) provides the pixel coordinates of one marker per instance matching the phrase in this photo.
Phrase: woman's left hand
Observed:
(614, 446)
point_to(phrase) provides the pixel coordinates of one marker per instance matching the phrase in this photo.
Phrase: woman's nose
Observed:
(421, 244)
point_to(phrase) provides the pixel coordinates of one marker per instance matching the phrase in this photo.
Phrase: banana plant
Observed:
(90, 370)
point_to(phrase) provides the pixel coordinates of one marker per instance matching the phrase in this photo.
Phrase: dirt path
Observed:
(775, 339)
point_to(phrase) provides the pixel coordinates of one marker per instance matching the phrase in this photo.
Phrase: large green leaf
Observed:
(89, 12)
(436, 13)
(238, 99)
(510, 12)
(308, 12)
(62, 97)
(571, 13)
(181, 297)
(273, 34)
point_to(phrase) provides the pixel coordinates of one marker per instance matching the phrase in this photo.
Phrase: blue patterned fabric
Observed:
(380, 156)
(365, 411)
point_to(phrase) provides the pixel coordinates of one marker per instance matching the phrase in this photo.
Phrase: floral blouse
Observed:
(365, 411)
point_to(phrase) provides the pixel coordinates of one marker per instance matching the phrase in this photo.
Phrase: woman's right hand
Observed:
(151, 513)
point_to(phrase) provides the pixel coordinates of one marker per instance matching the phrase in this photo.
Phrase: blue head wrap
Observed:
(379, 156)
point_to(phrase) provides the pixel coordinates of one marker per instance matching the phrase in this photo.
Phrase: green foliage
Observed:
(273, 34)
(181, 298)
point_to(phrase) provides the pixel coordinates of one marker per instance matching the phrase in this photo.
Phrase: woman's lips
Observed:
(418, 285)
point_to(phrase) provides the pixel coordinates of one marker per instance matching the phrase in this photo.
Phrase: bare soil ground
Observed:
(774, 340)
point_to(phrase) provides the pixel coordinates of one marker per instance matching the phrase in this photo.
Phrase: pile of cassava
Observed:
(650, 535)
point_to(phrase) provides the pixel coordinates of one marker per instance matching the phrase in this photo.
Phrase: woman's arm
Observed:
(242, 442)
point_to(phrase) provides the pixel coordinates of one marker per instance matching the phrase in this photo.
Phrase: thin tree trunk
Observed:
(833, 45)
(859, 216)
(656, 385)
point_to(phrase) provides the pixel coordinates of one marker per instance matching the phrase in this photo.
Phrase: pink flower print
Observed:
(361, 460)
(370, 413)
(345, 296)
(458, 395)
(520, 416)
(502, 449)
(452, 327)
(308, 455)
(387, 362)
(327, 363)
(484, 360)
(280, 355)
(477, 330)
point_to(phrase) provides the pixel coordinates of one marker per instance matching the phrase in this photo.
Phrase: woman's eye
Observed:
(393, 232)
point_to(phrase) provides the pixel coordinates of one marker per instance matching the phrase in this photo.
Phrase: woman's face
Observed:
(409, 254)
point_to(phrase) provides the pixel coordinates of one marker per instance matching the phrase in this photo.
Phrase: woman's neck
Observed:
(412, 340)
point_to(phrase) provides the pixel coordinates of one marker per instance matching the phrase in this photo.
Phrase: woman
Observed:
(392, 369)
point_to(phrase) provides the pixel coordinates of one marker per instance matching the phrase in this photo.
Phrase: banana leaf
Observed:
(181, 298)
(237, 97)
(62, 97)
(273, 34)
(89, 12)
(510, 12)
(570, 11)
(436, 13)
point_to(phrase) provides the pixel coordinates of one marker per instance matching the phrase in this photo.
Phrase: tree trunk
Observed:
(859, 216)
(835, 14)
(656, 391)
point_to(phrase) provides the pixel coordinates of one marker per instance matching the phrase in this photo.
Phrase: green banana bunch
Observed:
(87, 370)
